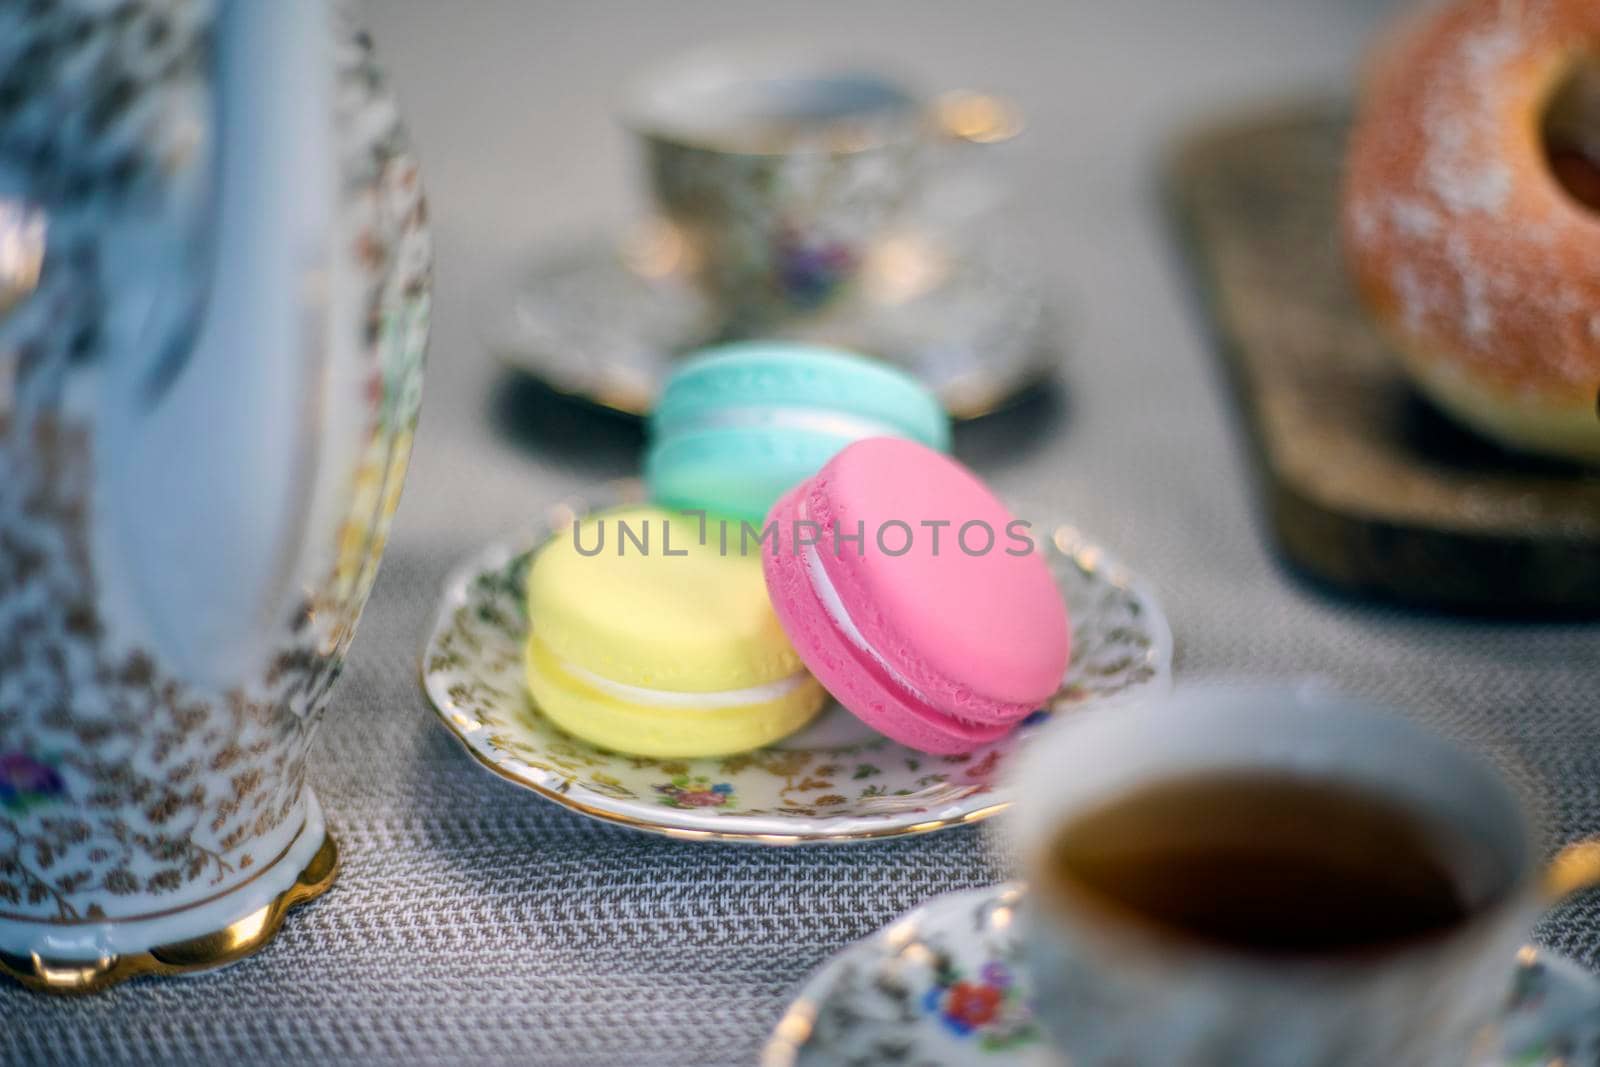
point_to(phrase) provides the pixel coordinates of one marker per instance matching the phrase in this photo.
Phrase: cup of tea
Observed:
(1243, 877)
(778, 173)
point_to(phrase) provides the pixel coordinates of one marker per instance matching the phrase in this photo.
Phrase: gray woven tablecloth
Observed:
(474, 922)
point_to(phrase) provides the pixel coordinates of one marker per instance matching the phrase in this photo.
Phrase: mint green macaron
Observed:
(737, 425)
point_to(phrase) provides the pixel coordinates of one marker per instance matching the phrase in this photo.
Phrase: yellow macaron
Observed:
(647, 641)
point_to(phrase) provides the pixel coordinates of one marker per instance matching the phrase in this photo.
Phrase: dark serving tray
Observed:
(1366, 486)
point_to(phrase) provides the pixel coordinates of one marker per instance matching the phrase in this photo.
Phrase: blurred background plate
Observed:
(601, 318)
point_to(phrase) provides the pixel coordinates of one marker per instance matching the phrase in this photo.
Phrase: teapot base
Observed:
(244, 936)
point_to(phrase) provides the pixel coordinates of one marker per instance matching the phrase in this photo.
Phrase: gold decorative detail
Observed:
(790, 1035)
(1574, 869)
(22, 240)
(977, 117)
(658, 249)
(233, 942)
(903, 267)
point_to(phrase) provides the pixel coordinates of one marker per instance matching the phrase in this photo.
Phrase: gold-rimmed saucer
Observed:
(946, 984)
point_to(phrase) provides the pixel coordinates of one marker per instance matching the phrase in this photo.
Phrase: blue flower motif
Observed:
(808, 272)
(25, 780)
(722, 787)
(933, 1004)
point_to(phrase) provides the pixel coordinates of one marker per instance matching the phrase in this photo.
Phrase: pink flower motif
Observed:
(696, 792)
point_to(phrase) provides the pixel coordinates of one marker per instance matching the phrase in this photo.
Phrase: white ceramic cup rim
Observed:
(669, 102)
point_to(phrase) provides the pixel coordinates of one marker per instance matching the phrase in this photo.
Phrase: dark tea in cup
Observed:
(1269, 862)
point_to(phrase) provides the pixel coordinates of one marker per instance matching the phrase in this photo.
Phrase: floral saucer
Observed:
(603, 319)
(943, 984)
(835, 781)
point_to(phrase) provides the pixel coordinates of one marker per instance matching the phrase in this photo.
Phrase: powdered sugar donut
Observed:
(1465, 218)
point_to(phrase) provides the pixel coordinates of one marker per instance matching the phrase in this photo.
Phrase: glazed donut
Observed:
(1464, 216)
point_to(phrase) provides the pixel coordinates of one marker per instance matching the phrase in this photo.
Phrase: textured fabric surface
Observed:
(476, 923)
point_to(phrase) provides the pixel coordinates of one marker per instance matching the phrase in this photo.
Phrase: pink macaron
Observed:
(915, 597)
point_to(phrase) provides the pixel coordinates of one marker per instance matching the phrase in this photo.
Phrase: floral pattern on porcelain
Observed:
(945, 985)
(698, 791)
(783, 232)
(127, 789)
(941, 985)
(835, 781)
(26, 780)
(989, 1007)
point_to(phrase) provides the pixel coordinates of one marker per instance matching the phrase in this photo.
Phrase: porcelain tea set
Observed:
(212, 229)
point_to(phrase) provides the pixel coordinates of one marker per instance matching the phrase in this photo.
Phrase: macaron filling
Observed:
(844, 424)
(668, 698)
(828, 597)
(873, 662)
(914, 699)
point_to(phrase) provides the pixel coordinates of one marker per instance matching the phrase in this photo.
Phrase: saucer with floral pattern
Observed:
(835, 781)
(944, 984)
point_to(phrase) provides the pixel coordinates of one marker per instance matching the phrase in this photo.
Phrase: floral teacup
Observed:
(1117, 985)
(780, 174)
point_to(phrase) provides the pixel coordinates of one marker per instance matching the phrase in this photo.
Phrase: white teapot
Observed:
(214, 276)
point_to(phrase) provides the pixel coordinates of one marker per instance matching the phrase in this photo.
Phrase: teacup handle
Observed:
(1574, 869)
(975, 117)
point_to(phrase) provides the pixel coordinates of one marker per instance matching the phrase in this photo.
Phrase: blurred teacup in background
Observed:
(781, 174)
(1252, 876)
